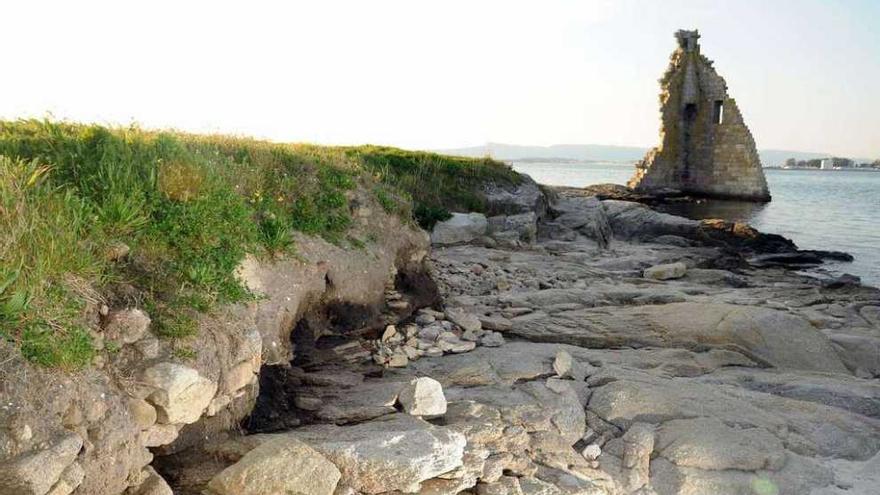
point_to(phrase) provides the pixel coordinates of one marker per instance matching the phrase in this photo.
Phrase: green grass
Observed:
(189, 207)
(434, 184)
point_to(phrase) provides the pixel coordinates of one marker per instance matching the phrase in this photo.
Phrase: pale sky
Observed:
(441, 74)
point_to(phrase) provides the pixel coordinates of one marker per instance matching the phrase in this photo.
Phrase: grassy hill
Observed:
(74, 197)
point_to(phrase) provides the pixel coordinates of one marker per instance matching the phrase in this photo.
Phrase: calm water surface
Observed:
(833, 210)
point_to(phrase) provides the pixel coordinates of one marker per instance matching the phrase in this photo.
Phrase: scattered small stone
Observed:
(425, 319)
(433, 352)
(411, 352)
(591, 452)
(477, 269)
(148, 347)
(471, 336)
(449, 342)
(590, 436)
(431, 332)
(398, 305)
(410, 331)
(398, 359)
(496, 323)
(563, 364)
(423, 397)
(117, 251)
(466, 321)
(126, 325)
(666, 272)
(390, 331)
(22, 433)
(439, 315)
(492, 339)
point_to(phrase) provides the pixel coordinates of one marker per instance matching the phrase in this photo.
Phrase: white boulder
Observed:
(423, 397)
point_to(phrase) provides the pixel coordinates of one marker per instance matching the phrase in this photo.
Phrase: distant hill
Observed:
(599, 152)
(586, 152)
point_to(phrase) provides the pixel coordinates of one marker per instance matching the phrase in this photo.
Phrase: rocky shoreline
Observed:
(564, 345)
(601, 351)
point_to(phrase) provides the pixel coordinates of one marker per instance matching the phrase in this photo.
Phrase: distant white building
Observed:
(827, 164)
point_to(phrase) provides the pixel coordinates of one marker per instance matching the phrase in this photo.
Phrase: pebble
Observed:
(563, 364)
(425, 319)
(390, 331)
(591, 452)
(492, 339)
(398, 359)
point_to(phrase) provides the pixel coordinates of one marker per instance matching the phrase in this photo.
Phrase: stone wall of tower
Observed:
(697, 154)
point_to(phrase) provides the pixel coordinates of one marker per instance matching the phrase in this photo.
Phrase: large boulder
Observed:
(524, 197)
(635, 221)
(585, 215)
(281, 465)
(459, 229)
(396, 452)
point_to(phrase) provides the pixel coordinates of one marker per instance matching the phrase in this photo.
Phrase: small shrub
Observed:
(180, 181)
(275, 234)
(428, 216)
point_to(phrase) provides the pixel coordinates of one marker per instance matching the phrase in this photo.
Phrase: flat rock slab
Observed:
(774, 337)
(709, 443)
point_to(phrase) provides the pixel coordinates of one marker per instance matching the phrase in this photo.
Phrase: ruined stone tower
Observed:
(705, 148)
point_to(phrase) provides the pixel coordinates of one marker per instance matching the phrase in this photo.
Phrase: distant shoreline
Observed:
(810, 169)
(572, 161)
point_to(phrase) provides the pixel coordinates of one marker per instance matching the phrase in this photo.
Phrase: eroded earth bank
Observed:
(565, 345)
